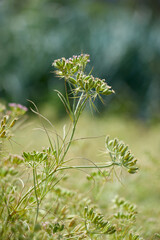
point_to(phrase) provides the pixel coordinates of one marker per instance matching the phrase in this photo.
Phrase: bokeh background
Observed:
(121, 36)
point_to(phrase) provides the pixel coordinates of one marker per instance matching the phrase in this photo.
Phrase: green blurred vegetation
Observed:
(122, 37)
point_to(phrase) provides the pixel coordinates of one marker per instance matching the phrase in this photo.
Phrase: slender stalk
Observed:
(88, 166)
(76, 115)
(65, 168)
(35, 190)
(79, 108)
(80, 99)
(70, 141)
(32, 188)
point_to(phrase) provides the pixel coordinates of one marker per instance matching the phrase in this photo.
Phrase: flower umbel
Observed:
(18, 109)
(72, 70)
(121, 155)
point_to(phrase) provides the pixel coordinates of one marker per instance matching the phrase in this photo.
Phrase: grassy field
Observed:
(143, 188)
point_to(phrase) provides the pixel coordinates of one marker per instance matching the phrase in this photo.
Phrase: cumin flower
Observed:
(18, 109)
(72, 70)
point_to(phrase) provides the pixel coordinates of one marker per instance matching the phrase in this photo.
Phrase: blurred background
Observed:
(121, 36)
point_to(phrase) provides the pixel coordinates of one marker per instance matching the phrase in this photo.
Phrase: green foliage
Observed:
(96, 224)
(125, 217)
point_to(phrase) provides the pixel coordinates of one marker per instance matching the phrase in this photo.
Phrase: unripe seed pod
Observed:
(112, 230)
(120, 146)
(91, 84)
(85, 211)
(76, 69)
(64, 210)
(45, 156)
(90, 80)
(72, 222)
(124, 150)
(40, 155)
(95, 83)
(110, 92)
(95, 218)
(57, 64)
(90, 212)
(3, 134)
(2, 128)
(131, 163)
(132, 170)
(101, 221)
(4, 119)
(100, 217)
(97, 89)
(127, 156)
(25, 155)
(103, 86)
(87, 78)
(107, 140)
(111, 143)
(13, 123)
(92, 215)
(2, 123)
(86, 86)
(131, 157)
(107, 92)
(72, 80)
(81, 83)
(78, 75)
(135, 161)
(68, 66)
(63, 61)
(77, 228)
(115, 142)
(114, 149)
(104, 224)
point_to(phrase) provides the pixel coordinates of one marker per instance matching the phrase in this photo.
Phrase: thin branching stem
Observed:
(36, 195)
(89, 166)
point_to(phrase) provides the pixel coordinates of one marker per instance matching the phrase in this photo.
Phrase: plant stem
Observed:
(70, 141)
(88, 166)
(35, 190)
(80, 106)
(65, 168)
(32, 188)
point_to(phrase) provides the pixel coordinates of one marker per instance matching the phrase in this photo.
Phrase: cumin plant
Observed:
(43, 209)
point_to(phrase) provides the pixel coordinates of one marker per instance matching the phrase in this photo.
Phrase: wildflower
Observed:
(18, 109)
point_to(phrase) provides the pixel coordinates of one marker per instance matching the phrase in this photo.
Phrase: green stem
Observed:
(80, 106)
(70, 141)
(88, 166)
(80, 99)
(65, 168)
(32, 188)
(35, 190)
